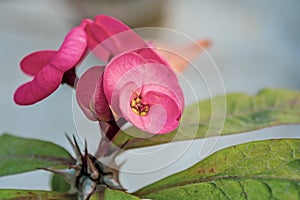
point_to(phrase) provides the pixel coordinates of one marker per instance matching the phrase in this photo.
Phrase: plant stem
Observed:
(70, 78)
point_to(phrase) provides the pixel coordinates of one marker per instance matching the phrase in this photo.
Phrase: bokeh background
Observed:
(255, 45)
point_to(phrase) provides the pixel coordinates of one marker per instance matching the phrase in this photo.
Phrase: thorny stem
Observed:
(110, 130)
(88, 174)
(114, 128)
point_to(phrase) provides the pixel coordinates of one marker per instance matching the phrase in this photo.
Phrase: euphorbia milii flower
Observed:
(135, 73)
(144, 92)
(114, 36)
(89, 91)
(108, 37)
(50, 68)
(140, 90)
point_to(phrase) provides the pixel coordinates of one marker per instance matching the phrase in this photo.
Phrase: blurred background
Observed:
(255, 45)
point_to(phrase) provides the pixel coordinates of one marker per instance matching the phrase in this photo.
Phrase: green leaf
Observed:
(58, 184)
(243, 113)
(34, 195)
(37, 195)
(19, 154)
(116, 194)
(267, 169)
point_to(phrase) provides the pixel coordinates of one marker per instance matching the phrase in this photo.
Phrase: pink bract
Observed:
(114, 37)
(33, 63)
(48, 67)
(90, 95)
(144, 92)
(109, 37)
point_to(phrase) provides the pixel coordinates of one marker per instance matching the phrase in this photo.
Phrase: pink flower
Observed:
(144, 92)
(109, 37)
(50, 68)
(90, 95)
(149, 95)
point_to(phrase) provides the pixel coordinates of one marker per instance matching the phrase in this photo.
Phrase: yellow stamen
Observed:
(135, 111)
(138, 107)
(133, 103)
(143, 113)
(138, 100)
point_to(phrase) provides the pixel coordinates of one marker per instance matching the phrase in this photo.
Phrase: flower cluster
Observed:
(137, 84)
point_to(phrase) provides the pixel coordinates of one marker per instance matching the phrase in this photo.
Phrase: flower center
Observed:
(138, 107)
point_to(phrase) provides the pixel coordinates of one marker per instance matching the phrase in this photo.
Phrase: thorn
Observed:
(85, 147)
(88, 187)
(94, 174)
(110, 182)
(74, 148)
(85, 165)
(77, 169)
(78, 152)
(76, 145)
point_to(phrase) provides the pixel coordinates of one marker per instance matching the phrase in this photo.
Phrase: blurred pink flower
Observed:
(50, 68)
(180, 57)
(144, 92)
